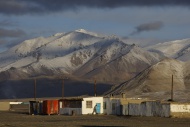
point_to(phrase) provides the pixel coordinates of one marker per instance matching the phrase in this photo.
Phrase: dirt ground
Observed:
(21, 119)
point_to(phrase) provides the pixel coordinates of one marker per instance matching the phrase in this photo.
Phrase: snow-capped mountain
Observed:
(78, 53)
(126, 62)
(155, 82)
(178, 49)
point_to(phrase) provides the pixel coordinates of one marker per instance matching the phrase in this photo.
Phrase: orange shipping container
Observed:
(50, 107)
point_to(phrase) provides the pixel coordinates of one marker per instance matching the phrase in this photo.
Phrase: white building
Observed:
(109, 106)
(88, 105)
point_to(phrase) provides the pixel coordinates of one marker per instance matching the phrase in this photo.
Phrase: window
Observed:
(88, 104)
(104, 105)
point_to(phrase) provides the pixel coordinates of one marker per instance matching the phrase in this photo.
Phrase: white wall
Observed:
(15, 102)
(180, 108)
(94, 101)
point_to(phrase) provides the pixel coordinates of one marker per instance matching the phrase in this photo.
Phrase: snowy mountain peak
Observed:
(89, 33)
(80, 52)
(82, 30)
(58, 34)
(178, 49)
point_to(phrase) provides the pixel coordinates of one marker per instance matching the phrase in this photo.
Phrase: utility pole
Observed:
(172, 86)
(35, 89)
(95, 88)
(62, 88)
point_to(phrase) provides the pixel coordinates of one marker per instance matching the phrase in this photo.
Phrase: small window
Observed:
(88, 104)
(104, 105)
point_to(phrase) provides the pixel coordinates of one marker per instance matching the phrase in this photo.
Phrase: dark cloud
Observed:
(19, 7)
(11, 33)
(148, 27)
(3, 42)
(7, 23)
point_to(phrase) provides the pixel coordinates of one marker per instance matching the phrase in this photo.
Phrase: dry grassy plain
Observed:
(22, 119)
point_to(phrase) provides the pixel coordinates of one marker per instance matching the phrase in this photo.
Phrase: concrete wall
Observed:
(110, 110)
(70, 111)
(147, 108)
(4, 106)
(165, 110)
(134, 109)
(180, 109)
(107, 109)
(94, 101)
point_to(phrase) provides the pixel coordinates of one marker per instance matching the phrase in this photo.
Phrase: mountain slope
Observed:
(80, 54)
(155, 82)
(127, 62)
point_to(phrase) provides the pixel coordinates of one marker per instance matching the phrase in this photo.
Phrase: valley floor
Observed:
(22, 119)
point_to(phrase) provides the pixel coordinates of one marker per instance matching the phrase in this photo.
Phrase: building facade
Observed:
(92, 105)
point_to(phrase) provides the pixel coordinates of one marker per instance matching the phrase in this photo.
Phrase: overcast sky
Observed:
(138, 19)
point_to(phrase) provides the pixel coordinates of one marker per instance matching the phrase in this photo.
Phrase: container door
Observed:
(51, 107)
(55, 107)
(98, 107)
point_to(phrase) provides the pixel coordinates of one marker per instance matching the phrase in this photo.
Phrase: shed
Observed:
(72, 106)
(4, 106)
(91, 103)
(35, 107)
(50, 107)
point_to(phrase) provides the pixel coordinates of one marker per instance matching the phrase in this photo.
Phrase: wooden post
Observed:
(62, 88)
(172, 85)
(95, 88)
(35, 89)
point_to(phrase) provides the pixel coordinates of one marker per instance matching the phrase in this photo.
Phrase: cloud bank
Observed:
(11, 33)
(21, 7)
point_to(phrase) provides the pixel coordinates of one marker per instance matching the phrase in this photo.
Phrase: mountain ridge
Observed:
(68, 53)
(177, 49)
